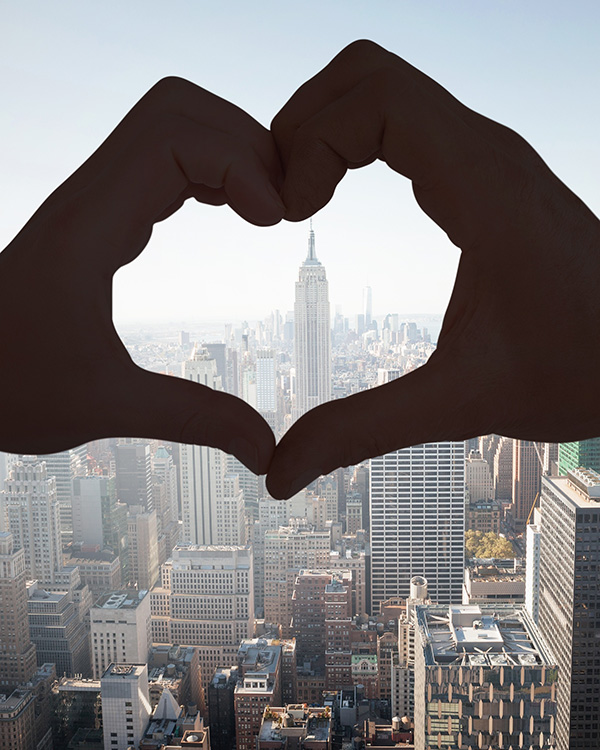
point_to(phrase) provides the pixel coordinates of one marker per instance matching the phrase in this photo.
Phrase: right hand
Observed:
(518, 353)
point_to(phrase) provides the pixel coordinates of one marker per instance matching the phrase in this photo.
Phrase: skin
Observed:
(516, 354)
(70, 378)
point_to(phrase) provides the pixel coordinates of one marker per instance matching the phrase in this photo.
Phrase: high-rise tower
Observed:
(212, 503)
(569, 559)
(418, 521)
(312, 336)
(582, 454)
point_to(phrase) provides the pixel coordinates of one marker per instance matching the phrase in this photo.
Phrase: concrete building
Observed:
(497, 581)
(125, 705)
(354, 518)
(308, 613)
(133, 472)
(259, 664)
(120, 629)
(211, 499)
(354, 561)
(65, 467)
(478, 478)
(532, 566)
(165, 501)
(60, 636)
(568, 605)
(143, 547)
(30, 503)
(484, 678)
(403, 663)
(101, 571)
(178, 669)
(295, 726)
(527, 473)
(312, 334)
(287, 551)
(417, 521)
(17, 720)
(89, 495)
(503, 470)
(484, 515)
(271, 515)
(205, 598)
(266, 386)
(17, 652)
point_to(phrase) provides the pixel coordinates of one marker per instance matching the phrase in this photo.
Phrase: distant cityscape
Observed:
(154, 596)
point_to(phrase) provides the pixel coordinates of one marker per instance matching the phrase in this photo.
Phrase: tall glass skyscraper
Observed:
(417, 498)
(580, 454)
(312, 334)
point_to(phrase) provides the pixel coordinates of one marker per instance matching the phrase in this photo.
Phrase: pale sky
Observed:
(69, 71)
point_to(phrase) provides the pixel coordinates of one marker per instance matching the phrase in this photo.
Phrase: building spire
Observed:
(311, 258)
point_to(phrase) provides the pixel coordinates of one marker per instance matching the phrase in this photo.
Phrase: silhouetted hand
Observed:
(66, 377)
(518, 353)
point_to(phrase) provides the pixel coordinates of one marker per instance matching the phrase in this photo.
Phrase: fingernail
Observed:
(246, 452)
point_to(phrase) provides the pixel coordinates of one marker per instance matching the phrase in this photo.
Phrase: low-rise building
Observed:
(295, 727)
(494, 581)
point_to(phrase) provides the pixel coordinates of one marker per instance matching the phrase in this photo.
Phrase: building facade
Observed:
(120, 629)
(484, 678)
(417, 521)
(569, 609)
(312, 334)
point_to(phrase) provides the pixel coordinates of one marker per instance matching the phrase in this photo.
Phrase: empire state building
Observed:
(312, 335)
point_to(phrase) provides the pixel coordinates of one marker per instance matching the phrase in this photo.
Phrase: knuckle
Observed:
(168, 90)
(360, 51)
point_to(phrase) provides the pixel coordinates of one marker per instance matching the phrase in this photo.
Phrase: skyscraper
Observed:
(17, 652)
(125, 705)
(527, 472)
(31, 504)
(580, 454)
(368, 306)
(569, 609)
(312, 335)
(212, 503)
(417, 521)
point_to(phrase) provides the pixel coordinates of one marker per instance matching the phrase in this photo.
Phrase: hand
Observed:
(518, 353)
(66, 377)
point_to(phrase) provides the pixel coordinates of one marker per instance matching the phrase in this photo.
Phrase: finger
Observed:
(175, 158)
(387, 116)
(145, 404)
(358, 61)
(429, 404)
(178, 97)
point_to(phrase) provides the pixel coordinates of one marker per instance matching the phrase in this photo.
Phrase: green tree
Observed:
(486, 545)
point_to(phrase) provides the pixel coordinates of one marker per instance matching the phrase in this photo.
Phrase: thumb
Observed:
(170, 408)
(434, 402)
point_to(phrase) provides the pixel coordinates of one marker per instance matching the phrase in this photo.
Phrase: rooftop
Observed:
(120, 600)
(581, 487)
(471, 635)
(123, 671)
(15, 700)
(312, 724)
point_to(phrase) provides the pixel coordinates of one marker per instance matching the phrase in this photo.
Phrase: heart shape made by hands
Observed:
(526, 282)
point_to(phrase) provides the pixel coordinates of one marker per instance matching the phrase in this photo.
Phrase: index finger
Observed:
(177, 97)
